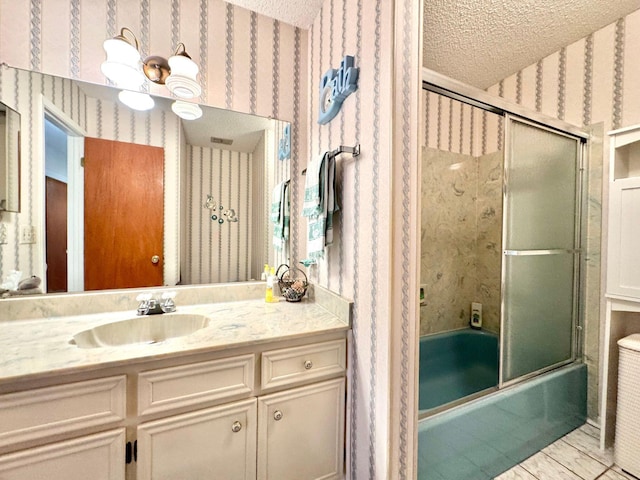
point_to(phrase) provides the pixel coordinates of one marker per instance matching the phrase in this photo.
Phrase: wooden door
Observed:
(56, 228)
(213, 443)
(123, 214)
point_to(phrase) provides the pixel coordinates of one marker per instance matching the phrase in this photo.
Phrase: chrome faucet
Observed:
(151, 305)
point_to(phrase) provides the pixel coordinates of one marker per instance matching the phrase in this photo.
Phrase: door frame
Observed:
(75, 194)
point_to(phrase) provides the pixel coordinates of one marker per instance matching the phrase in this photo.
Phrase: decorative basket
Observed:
(292, 282)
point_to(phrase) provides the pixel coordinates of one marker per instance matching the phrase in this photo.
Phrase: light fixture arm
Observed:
(123, 37)
(183, 52)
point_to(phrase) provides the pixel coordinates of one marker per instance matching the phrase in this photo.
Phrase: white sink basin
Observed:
(148, 329)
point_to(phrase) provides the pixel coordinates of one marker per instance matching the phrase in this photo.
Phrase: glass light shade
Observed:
(186, 110)
(182, 81)
(136, 100)
(122, 65)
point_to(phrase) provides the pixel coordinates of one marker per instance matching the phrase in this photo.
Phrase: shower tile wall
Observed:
(461, 233)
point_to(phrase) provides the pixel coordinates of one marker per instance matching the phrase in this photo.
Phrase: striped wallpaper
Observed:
(596, 79)
(260, 57)
(223, 250)
(360, 264)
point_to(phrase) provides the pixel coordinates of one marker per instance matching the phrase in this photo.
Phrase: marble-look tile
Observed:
(461, 218)
(616, 473)
(590, 445)
(591, 430)
(544, 467)
(578, 462)
(516, 473)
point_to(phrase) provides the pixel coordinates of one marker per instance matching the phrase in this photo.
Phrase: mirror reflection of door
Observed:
(56, 227)
(123, 215)
(56, 206)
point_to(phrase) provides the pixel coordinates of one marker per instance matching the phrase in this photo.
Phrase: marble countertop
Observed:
(32, 348)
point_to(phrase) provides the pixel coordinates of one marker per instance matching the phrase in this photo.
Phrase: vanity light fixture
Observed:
(182, 79)
(125, 69)
(122, 65)
(186, 110)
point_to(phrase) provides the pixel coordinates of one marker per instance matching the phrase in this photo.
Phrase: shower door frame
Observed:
(577, 251)
(437, 83)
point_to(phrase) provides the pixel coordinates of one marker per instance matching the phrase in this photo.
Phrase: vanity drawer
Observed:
(289, 366)
(195, 384)
(41, 412)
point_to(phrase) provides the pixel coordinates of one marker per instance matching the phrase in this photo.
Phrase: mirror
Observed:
(229, 156)
(9, 159)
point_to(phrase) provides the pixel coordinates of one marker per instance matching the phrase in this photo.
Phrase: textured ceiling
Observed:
(300, 13)
(480, 42)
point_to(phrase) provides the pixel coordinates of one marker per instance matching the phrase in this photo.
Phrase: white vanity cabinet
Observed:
(274, 411)
(32, 417)
(301, 433)
(218, 442)
(98, 457)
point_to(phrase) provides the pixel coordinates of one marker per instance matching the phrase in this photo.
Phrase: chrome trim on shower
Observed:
(438, 83)
(541, 252)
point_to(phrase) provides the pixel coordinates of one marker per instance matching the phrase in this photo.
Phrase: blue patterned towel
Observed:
(320, 205)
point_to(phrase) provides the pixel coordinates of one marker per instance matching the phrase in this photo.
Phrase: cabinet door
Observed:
(623, 271)
(212, 443)
(301, 433)
(95, 457)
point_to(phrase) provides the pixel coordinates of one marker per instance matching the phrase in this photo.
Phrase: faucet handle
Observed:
(167, 304)
(144, 306)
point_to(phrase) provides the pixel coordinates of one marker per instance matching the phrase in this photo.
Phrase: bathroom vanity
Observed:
(257, 393)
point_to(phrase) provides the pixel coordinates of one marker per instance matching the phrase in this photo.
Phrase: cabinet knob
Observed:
(155, 259)
(236, 427)
(308, 364)
(277, 415)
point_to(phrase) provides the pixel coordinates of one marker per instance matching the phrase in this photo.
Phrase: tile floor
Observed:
(576, 456)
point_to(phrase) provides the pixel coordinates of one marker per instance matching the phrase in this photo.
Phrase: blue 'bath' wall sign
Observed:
(335, 86)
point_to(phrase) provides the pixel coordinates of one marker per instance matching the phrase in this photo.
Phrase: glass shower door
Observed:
(541, 242)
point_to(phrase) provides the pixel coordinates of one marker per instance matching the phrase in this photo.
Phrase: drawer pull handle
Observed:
(236, 427)
(308, 364)
(277, 415)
